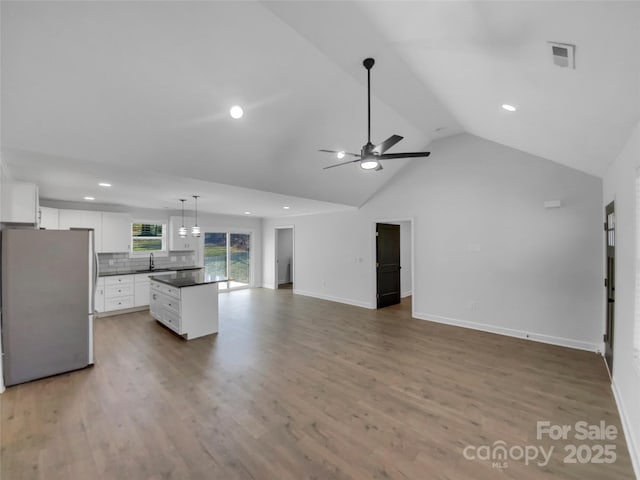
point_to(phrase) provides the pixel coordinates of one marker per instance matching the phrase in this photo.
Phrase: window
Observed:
(228, 255)
(636, 333)
(148, 237)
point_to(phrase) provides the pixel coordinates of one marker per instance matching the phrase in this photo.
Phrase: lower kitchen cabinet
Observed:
(141, 289)
(118, 292)
(122, 292)
(190, 311)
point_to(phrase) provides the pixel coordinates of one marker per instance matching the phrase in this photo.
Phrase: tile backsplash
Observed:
(121, 262)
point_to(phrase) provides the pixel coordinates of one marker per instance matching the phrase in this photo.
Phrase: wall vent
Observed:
(563, 54)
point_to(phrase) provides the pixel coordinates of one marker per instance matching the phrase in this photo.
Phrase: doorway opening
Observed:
(610, 283)
(394, 263)
(284, 268)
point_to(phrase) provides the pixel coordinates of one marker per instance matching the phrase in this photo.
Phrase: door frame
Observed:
(373, 284)
(208, 228)
(606, 284)
(275, 254)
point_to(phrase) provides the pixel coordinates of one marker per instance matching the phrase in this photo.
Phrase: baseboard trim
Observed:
(536, 337)
(632, 443)
(331, 298)
(270, 286)
(406, 294)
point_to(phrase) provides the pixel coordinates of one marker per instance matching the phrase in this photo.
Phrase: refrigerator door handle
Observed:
(96, 275)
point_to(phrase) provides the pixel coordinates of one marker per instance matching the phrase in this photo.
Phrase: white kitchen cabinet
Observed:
(99, 297)
(49, 218)
(189, 311)
(82, 219)
(20, 203)
(118, 292)
(116, 232)
(122, 292)
(141, 289)
(175, 242)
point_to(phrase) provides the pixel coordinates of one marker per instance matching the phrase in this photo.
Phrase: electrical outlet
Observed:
(472, 305)
(111, 262)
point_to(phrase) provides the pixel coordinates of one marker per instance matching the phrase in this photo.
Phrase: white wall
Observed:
(284, 240)
(619, 185)
(330, 261)
(487, 254)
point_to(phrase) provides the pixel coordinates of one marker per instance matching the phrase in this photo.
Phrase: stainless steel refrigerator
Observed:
(48, 288)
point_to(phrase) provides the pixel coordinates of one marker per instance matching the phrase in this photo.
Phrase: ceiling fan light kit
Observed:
(371, 154)
(370, 164)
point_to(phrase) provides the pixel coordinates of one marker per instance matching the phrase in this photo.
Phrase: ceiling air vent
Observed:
(563, 54)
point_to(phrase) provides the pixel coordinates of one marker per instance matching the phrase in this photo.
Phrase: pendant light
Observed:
(195, 231)
(182, 231)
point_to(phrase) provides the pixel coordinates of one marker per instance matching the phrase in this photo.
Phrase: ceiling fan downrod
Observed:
(368, 64)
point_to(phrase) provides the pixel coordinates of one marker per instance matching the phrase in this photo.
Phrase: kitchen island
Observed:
(186, 302)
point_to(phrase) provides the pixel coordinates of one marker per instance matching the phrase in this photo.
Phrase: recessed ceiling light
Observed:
(89, 198)
(236, 112)
(509, 108)
(247, 213)
(104, 184)
(287, 207)
(340, 154)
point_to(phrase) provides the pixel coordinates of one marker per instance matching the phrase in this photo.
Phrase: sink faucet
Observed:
(151, 264)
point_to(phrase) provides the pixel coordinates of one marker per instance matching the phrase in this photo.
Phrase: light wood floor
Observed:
(300, 388)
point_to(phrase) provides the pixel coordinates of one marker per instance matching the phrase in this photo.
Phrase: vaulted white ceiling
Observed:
(140, 92)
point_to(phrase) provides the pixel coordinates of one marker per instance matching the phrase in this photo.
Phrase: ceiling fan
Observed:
(371, 154)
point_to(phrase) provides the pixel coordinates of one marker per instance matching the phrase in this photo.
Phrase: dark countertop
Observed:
(158, 270)
(187, 278)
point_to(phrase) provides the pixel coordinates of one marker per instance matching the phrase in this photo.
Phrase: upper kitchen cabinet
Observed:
(116, 232)
(175, 241)
(20, 203)
(83, 219)
(49, 218)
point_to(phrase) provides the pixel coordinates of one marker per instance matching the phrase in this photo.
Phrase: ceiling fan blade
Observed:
(336, 152)
(387, 144)
(388, 156)
(343, 163)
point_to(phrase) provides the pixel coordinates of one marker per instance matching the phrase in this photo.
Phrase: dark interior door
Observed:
(388, 264)
(610, 283)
